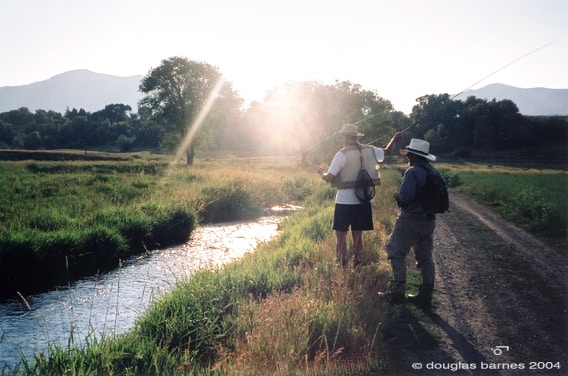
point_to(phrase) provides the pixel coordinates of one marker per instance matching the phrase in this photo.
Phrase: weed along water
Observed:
(110, 303)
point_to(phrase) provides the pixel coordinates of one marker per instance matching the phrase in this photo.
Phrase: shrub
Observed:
(228, 202)
(452, 179)
(173, 226)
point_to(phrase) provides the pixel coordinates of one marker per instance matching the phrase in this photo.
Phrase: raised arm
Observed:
(397, 136)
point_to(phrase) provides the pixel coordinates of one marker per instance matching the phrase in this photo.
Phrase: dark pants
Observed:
(412, 231)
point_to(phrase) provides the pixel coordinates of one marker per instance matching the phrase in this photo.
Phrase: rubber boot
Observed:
(424, 298)
(395, 293)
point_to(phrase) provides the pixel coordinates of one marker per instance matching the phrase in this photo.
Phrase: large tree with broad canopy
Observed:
(176, 92)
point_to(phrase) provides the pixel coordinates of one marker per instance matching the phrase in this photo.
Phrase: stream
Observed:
(110, 303)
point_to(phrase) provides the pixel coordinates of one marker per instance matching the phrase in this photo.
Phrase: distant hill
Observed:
(74, 89)
(93, 91)
(532, 101)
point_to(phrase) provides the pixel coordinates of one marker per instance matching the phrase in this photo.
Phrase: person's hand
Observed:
(397, 136)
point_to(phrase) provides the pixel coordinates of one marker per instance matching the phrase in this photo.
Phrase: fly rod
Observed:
(416, 121)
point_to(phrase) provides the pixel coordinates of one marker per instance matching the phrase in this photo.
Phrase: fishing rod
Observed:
(425, 115)
(416, 121)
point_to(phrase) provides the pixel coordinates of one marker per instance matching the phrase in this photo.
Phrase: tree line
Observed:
(185, 98)
(113, 128)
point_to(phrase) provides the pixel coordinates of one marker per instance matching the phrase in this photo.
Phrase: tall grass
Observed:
(66, 219)
(287, 308)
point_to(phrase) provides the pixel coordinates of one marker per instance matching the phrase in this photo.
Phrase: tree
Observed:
(473, 110)
(303, 117)
(115, 113)
(7, 134)
(33, 141)
(441, 114)
(22, 119)
(289, 119)
(221, 120)
(372, 112)
(175, 93)
(484, 133)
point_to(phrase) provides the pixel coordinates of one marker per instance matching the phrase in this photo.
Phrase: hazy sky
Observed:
(401, 49)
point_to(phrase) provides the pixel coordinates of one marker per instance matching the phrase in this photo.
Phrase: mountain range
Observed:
(74, 89)
(93, 91)
(532, 101)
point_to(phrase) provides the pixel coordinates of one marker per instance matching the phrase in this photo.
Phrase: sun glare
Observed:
(284, 118)
(198, 122)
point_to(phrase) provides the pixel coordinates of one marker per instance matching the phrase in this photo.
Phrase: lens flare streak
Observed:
(198, 122)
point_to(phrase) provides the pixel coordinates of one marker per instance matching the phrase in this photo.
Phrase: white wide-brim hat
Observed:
(350, 130)
(418, 147)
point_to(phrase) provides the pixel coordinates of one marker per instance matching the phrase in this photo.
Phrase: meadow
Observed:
(287, 308)
(532, 198)
(69, 218)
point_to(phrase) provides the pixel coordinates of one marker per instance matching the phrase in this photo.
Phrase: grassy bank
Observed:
(65, 219)
(285, 309)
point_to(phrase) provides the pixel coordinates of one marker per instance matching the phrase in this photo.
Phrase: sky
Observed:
(400, 49)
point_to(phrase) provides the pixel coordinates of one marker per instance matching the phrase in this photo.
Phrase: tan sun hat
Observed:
(350, 130)
(418, 147)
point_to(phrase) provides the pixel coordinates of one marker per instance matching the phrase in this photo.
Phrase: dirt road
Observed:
(501, 297)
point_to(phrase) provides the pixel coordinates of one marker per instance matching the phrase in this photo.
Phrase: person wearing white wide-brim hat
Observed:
(420, 148)
(413, 229)
(350, 212)
(350, 130)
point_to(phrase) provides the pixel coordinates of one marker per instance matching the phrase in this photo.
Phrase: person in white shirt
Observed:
(349, 211)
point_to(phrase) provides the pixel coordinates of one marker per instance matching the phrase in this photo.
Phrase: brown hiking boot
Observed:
(424, 298)
(394, 294)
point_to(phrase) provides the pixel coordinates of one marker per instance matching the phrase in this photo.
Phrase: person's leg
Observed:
(423, 253)
(361, 220)
(398, 247)
(341, 222)
(341, 246)
(425, 262)
(357, 245)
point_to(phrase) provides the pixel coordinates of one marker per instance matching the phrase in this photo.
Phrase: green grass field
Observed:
(287, 307)
(531, 198)
(66, 219)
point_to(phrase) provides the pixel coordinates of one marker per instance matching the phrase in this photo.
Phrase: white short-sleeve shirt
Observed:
(347, 196)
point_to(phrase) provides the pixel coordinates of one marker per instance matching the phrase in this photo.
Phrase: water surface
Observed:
(111, 302)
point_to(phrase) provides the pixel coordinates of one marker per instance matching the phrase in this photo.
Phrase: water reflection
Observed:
(110, 303)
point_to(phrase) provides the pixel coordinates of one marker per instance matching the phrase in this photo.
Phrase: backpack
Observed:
(433, 197)
(364, 186)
